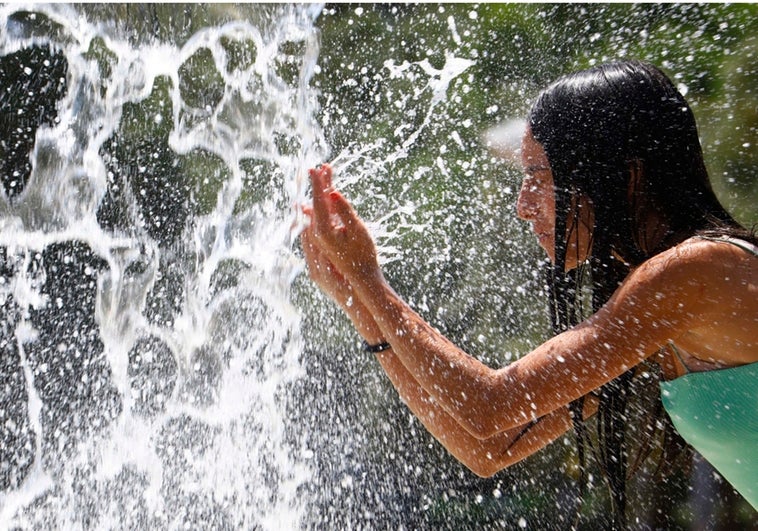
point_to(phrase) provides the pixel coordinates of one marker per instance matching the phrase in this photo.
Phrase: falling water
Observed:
(148, 337)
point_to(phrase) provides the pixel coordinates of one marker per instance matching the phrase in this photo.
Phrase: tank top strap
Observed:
(742, 244)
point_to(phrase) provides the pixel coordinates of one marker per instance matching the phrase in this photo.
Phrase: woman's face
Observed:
(536, 204)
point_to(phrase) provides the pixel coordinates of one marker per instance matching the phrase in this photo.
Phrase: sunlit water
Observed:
(151, 374)
(132, 416)
(155, 363)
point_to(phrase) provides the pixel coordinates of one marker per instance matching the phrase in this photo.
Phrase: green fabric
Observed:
(717, 413)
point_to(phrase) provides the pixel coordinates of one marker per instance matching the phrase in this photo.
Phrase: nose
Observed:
(526, 206)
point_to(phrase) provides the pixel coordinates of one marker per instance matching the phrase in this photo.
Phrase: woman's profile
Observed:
(618, 195)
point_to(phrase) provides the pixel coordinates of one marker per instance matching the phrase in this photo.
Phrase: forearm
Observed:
(456, 381)
(362, 321)
(542, 432)
(475, 454)
(483, 457)
(340, 252)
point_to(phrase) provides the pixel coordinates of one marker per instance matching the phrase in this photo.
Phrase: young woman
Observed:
(618, 195)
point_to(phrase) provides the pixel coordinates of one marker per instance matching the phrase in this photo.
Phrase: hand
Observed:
(329, 279)
(321, 270)
(339, 234)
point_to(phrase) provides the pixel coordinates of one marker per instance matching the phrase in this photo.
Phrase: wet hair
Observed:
(620, 139)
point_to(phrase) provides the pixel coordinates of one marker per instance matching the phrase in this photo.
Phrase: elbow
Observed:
(484, 471)
(493, 423)
(483, 468)
(489, 414)
(477, 425)
(482, 430)
(488, 466)
(484, 422)
(485, 459)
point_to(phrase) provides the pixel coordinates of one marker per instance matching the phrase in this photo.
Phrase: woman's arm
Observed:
(662, 299)
(325, 276)
(483, 457)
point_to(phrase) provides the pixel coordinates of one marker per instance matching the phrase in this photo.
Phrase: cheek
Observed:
(548, 245)
(527, 203)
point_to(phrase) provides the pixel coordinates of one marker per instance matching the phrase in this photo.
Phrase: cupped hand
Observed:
(321, 271)
(338, 232)
(335, 285)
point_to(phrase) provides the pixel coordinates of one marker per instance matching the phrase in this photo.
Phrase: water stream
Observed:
(148, 336)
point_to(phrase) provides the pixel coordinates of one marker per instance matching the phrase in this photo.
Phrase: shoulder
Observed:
(696, 272)
(702, 258)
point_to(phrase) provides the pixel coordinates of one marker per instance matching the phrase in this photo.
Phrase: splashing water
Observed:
(151, 370)
(147, 266)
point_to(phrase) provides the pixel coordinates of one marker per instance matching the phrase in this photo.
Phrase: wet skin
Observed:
(536, 204)
(701, 294)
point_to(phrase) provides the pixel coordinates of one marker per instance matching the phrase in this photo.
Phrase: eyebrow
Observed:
(535, 168)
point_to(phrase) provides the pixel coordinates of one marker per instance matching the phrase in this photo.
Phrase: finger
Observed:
(305, 239)
(321, 210)
(312, 249)
(309, 249)
(321, 177)
(312, 254)
(343, 208)
(326, 171)
(310, 244)
(320, 269)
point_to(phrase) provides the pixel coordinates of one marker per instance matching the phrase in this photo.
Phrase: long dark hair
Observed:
(621, 137)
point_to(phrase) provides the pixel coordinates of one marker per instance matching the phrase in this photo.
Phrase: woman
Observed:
(617, 192)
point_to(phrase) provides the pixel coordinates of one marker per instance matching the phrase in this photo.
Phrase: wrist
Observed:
(363, 321)
(375, 348)
(367, 278)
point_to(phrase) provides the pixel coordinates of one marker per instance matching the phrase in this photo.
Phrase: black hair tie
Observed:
(379, 347)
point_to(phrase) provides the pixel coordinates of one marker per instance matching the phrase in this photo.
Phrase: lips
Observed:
(541, 234)
(545, 241)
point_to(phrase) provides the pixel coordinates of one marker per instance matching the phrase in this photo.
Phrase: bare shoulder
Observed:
(701, 259)
(701, 294)
(731, 249)
(697, 273)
